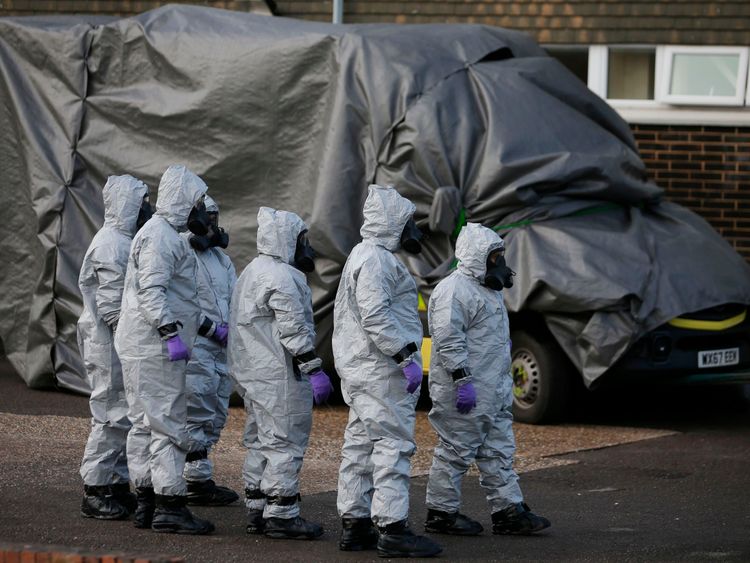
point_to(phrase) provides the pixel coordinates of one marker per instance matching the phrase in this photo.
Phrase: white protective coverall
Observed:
(469, 328)
(160, 289)
(271, 323)
(375, 317)
(208, 383)
(101, 282)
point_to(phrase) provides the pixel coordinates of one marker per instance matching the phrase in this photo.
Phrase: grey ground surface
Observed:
(657, 476)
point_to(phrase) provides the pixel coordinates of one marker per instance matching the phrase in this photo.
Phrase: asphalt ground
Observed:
(681, 492)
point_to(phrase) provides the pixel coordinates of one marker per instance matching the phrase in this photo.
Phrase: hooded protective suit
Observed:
(375, 317)
(160, 289)
(208, 384)
(469, 328)
(101, 282)
(272, 323)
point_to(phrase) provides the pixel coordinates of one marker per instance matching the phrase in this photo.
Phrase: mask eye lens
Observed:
(495, 256)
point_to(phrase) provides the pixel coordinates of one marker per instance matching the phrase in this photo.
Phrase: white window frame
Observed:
(599, 74)
(656, 111)
(665, 71)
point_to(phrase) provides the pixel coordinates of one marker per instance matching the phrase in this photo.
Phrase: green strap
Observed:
(589, 211)
(460, 222)
(581, 213)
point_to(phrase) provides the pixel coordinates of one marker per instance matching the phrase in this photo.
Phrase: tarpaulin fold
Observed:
(302, 116)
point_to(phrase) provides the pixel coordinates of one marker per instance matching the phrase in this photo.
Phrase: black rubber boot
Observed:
(358, 534)
(144, 511)
(397, 540)
(292, 529)
(208, 493)
(518, 519)
(255, 523)
(453, 523)
(122, 494)
(99, 502)
(172, 516)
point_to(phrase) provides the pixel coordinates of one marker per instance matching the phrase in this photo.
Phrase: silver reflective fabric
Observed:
(469, 327)
(101, 282)
(375, 316)
(160, 288)
(208, 383)
(271, 323)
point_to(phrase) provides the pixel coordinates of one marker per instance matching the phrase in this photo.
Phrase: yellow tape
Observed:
(421, 307)
(693, 324)
(426, 353)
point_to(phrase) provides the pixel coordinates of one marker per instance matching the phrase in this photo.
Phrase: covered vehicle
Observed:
(468, 122)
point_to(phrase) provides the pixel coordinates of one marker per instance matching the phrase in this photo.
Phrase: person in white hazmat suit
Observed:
(272, 358)
(104, 470)
(158, 325)
(472, 391)
(208, 384)
(376, 338)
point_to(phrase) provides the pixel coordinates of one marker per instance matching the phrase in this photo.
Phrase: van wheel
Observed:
(541, 379)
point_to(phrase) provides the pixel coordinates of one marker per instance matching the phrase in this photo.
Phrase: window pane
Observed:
(630, 74)
(577, 60)
(704, 75)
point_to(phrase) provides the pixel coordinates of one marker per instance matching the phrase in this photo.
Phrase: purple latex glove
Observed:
(220, 334)
(177, 349)
(466, 397)
(413, 375)
(321, 385)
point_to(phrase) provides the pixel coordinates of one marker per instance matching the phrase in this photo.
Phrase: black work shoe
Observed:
(144, 511)
(453, 523)
(122, 494)
(208, 493)
(358, 534)
(292, 529)
(518, 519)
(172, 516)
(255, 522)
(99, 502)
(397, 540)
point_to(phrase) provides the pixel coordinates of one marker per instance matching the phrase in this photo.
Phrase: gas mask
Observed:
(410, 237)
(198, 221)
(144, 213)
(498, 274)
(304, 255)
(216, 236)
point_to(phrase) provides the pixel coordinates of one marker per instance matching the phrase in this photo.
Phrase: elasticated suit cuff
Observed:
(405, 355)
(308, 362)
(461, 376)
(168, 330)
(207, 328)
(111, 318)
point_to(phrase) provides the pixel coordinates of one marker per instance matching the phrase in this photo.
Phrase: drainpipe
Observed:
(338, 11)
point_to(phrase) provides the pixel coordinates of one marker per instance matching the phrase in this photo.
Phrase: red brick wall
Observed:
(692, 22)
(706, 169)
(111, 7)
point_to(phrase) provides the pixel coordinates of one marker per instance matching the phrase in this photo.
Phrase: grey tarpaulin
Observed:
(302, 116)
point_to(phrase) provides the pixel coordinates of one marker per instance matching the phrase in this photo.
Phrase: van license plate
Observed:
(718, 358)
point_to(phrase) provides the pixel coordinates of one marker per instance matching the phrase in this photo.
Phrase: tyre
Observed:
(541, 379)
